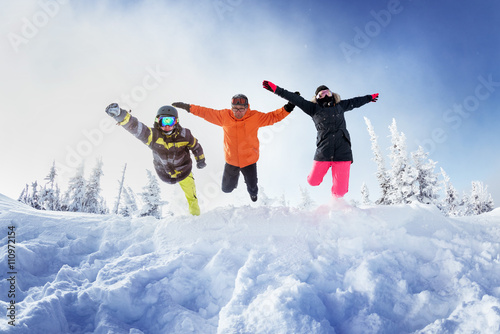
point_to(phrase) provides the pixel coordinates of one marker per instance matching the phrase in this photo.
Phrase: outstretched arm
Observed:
(211, 115)
(130, 123)
(357, 102)
(307, 106)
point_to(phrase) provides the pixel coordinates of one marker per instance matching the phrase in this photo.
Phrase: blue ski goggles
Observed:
(166, 121)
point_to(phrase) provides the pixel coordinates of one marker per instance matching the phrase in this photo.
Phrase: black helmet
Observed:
(167, 111)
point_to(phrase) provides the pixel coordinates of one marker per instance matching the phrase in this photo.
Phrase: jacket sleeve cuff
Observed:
(124, 120)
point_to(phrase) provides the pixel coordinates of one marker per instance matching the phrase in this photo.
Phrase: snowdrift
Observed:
(251, 269)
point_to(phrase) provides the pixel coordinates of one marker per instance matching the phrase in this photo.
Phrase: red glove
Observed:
(269, 86)
(374, 97)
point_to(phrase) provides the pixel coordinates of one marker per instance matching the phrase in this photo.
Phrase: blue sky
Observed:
(435, 65)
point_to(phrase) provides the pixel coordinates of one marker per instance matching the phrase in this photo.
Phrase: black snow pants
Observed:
(232, 174)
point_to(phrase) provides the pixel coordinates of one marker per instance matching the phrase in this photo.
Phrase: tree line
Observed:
(84, 195)
(411, 178)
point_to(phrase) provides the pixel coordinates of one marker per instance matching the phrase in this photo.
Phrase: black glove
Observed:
(116, 112)
(182, 105)
(289, 106)
(201, 164)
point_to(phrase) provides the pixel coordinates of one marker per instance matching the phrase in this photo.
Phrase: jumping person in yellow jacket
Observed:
(241, 145)
(170, 143)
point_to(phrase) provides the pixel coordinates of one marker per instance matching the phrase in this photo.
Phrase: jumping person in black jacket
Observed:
(333, 143)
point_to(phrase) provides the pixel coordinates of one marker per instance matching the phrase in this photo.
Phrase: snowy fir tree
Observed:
(30, 197)
(129, 203)
(23, 197)
(428, 184)
(451, 203)
(264, 199)
(403, 176)
(306, 202)
(282, 200)
(120, 191)
(75, 194)
(382, 175)
(34, 198)
(365, 194)
(151, 197)
(50, 194)
(479, 201)
(93, 201)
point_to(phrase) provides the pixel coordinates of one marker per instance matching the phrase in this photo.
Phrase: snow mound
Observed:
(398, 269)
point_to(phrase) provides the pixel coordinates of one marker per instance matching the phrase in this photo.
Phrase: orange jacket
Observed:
(241, 145)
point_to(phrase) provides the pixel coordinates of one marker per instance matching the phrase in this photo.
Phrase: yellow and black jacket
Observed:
(171, 157)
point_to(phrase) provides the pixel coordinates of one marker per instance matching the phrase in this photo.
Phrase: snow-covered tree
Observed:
(120, 190)
(75, 194)
(151, 197)
(265, 200)
(450, 205)
(24, 196)
(403, 176)
(382, 175)
(306, 201)
(479, 201)
(428, 184)
(49, 194)
(282, 200)
(129, 203)
(365, 194)
(93, 201)
(34, 198)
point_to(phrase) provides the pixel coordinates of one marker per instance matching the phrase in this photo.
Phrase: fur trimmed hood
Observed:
(336, 98)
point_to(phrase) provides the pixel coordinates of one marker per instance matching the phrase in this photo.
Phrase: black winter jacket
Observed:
(333, 142)
(171, 157)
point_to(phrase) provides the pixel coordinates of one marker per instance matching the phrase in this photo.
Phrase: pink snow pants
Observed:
(340, 175)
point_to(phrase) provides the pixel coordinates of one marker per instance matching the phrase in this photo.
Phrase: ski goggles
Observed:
(321, 94)
(239, 101)
(166, 121)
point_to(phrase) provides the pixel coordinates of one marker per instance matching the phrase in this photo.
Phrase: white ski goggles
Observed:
(321, 94)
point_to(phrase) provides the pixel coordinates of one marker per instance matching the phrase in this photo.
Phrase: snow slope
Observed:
(253, 269)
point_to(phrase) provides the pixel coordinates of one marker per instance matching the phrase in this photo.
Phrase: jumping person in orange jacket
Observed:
(241, 145)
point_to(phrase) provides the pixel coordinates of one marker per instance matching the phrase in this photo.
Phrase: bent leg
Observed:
(250, 175)
(189, 189)
(318, 172)
(230, 178)
(340, 175)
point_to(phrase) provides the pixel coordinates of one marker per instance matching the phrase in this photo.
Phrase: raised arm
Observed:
(211, 115)
(130, 123)
(307, 106)
(357, 102)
